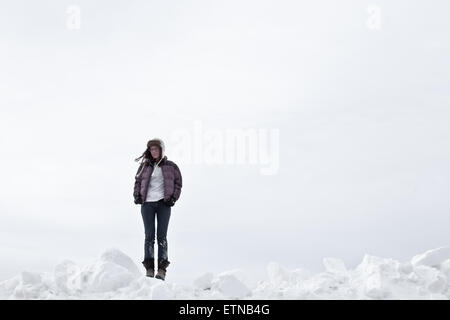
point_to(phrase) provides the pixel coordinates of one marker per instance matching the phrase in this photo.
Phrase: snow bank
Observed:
(113, 275)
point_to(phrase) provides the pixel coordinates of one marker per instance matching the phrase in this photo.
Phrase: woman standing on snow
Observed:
(157, 187)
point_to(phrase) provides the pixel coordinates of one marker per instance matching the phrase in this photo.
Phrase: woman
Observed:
(157, 187)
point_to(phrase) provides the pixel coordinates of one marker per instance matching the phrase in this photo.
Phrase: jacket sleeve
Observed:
(137, 181)
(178, 183)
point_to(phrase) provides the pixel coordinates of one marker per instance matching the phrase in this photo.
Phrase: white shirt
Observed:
(155, 190)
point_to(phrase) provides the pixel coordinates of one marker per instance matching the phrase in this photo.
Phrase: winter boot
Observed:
(162, 266)
(149, 265)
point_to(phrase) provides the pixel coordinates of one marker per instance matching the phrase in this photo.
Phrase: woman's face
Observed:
(154, 151)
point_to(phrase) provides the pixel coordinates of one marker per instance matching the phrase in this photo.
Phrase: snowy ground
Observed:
(115, 276)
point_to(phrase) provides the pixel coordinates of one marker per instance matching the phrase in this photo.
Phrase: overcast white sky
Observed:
(361, 105)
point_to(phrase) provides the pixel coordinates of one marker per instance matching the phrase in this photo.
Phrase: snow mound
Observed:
(114, 275)
(230, 286)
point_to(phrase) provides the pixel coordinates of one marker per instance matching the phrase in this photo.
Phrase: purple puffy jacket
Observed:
(171, 174)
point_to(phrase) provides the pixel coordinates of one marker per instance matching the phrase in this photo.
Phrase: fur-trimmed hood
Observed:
(163, 148)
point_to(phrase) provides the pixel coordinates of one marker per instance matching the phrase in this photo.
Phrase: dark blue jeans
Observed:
(162, 212)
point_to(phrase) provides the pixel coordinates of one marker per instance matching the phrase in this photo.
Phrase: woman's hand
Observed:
(137, 199)
(170, 202)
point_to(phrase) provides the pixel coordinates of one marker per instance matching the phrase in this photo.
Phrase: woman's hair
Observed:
(146, 154)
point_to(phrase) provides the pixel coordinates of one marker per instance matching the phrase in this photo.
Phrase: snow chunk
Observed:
(111, 271)
(299, 275)
(334, 265)
(432, 258)
(432, 279)
(119, 258)
(405, 267)
(204, 282)
(30, 278)
(277, 274)
(230, 286)
(64, 276)
(239, 274)
(162, 291)
(374, 288)
(445, 268)
(374, 276)
(104, 275)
